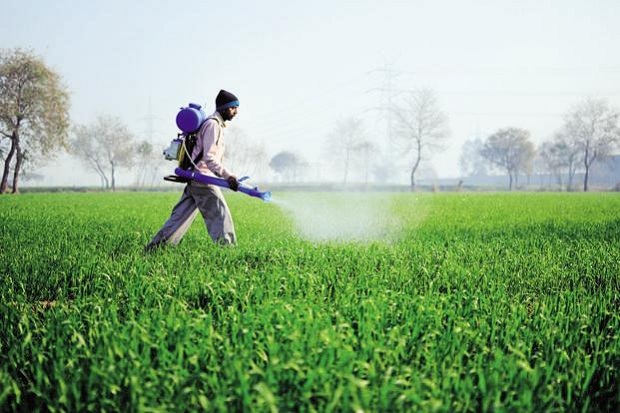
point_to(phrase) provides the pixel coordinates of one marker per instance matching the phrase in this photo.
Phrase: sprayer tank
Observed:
(190, 119)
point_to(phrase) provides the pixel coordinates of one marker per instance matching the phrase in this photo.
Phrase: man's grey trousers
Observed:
(207, 199)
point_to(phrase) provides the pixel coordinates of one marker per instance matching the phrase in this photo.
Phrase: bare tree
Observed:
(104, 146)
(85, 147)
(593, 126)
(34, 108)
(422, 124)
(509, 149)
(344, 143)
(471, 162)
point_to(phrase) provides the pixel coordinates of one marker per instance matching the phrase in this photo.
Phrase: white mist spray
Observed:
(341, 217)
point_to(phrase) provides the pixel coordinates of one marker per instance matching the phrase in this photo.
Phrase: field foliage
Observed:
(475, 302)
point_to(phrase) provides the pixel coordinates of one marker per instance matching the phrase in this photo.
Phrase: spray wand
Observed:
(211, 180)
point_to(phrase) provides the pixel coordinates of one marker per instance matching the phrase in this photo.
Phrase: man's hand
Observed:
(233, 183)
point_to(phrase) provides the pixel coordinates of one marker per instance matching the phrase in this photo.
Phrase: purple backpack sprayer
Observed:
(189, 120)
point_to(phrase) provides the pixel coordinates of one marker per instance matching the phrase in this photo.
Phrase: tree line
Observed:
(34, 127)
(589, 133)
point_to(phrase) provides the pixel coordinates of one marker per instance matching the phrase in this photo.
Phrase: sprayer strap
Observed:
(197, 158)
(195, 134)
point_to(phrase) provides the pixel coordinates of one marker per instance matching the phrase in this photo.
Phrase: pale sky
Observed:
(298, 66)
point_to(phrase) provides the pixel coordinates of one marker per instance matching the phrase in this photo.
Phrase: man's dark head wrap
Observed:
(225, 100)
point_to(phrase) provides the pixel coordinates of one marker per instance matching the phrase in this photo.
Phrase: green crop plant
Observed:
(473, 302)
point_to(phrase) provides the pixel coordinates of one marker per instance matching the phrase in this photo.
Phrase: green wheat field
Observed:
(460, 302)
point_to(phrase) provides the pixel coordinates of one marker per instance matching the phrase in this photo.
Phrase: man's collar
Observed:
(219, 118)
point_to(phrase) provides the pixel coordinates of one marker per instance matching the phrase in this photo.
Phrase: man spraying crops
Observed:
(206, 158)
